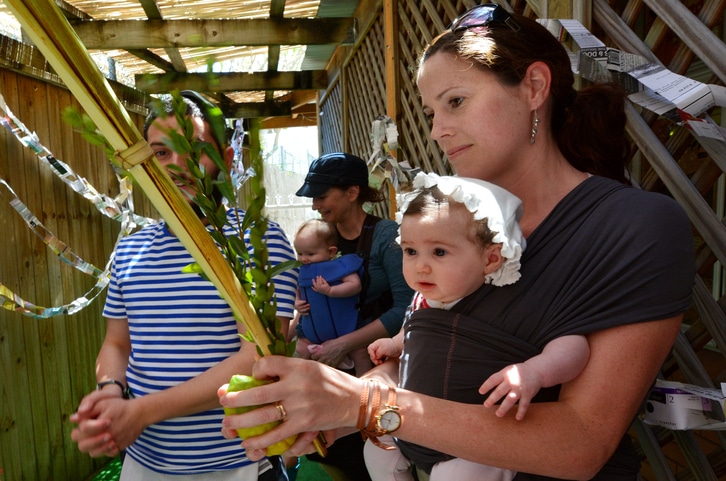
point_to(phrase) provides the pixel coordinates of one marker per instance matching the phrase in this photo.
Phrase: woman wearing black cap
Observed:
(338, 185)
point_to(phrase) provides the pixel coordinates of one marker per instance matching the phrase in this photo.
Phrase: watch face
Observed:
(389, 421)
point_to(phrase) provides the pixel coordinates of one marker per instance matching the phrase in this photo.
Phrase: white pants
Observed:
(133, 471)
(392, 465)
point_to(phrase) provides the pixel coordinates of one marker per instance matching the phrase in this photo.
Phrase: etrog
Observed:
(240, 382)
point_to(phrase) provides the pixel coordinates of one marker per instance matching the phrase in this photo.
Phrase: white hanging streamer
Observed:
(13, 302)
(382, 164)
(119, 209)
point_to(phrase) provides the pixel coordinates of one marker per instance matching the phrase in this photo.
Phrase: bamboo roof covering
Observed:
(261, 44)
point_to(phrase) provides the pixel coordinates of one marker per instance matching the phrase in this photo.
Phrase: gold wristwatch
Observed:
(388, 419)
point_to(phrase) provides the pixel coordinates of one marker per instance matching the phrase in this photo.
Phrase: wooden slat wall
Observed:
(366, 89)
(670, 160)
(46, 365)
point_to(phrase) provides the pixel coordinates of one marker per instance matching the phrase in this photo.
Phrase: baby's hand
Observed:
(382, 349)
(515, 383)
(321, 285)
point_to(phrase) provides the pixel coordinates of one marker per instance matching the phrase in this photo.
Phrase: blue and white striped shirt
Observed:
(180, 327)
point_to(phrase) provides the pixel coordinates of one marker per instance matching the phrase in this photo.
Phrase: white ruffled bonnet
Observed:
(483, 199)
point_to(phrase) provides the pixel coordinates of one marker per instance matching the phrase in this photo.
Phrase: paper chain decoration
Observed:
(119, 208)
(677, 98)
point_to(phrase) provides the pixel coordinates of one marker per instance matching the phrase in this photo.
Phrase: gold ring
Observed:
(281, 410)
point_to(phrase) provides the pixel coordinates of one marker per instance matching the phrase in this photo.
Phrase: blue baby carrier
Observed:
(329, 317)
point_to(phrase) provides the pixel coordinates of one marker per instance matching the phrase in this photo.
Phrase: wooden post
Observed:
(390, 20)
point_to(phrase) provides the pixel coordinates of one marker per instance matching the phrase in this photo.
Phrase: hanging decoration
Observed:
(13, 302)
(382, 163)
(119, 209)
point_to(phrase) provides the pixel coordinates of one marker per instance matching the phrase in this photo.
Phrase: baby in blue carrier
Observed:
(328, 293)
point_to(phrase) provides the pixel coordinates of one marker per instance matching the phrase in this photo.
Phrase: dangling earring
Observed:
(535, 123)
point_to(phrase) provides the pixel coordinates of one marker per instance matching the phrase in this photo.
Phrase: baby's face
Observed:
(440, 259)
(309, 249)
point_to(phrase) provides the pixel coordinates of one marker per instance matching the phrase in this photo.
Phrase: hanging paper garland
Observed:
(13, 302)
(118, 209)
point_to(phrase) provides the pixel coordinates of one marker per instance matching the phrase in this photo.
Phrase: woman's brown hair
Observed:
(589, 125)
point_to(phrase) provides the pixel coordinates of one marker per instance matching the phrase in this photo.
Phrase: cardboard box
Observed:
(679, 406)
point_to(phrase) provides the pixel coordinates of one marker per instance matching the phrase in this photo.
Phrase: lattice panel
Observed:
(698, 355)
(419, 23)
(330, 121)
(366, 89)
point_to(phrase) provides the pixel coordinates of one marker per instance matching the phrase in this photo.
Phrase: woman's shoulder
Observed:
(386, 227)
(635, 203)
(629, 216)
(385, 235)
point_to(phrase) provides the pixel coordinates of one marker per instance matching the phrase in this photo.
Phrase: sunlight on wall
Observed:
(288, 153)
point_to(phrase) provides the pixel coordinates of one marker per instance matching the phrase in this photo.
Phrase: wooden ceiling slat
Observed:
(232, 81)
(155, 33)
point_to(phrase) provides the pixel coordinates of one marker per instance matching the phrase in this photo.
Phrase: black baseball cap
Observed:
(335, 169)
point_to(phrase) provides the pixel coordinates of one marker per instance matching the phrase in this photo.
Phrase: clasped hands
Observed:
(107, 423)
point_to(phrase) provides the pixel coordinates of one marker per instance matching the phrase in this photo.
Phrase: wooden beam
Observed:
(155, 33)
(691, 31)
(287, 122)
(232, 81)
(301, 97)
(277, 10)
(71, 12)
(154, 59)
(253, 110)
(152, 11)
(307, 109)
(390, 14)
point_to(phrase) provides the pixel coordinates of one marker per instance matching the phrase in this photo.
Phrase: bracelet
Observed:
(375, 421)
(124, 389)
(370, 401)
(364, 402)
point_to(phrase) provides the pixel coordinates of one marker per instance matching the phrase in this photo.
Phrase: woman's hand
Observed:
(331, 352)
(302, 306)
(315, 398)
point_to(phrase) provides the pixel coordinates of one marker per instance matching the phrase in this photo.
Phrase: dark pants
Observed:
(346, 454)
(278, 471)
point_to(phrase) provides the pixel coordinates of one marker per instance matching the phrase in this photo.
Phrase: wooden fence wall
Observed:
(685, 36)
(46, 364)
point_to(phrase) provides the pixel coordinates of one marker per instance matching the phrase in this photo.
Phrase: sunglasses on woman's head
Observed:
(482, 16)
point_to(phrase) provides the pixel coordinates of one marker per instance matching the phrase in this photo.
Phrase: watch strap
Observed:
(369, 416)
(124, 389)
(364, 404)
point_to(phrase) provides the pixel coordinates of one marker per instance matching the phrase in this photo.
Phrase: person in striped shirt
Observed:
(171, 341)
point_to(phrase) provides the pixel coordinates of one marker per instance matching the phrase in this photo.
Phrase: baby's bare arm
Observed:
(561, 361)
(350, 285)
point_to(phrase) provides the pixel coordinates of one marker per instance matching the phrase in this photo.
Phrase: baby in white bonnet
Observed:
(456, 235)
